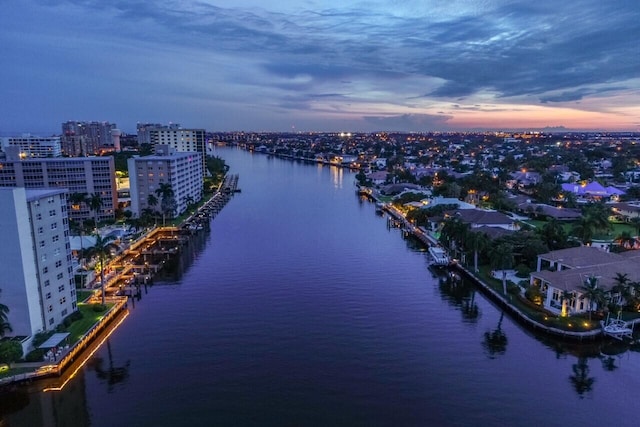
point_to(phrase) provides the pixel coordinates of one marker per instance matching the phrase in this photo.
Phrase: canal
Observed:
(301, 308)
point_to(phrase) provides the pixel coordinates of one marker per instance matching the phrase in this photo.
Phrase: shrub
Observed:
(522, 271)
(35, 355)
(40, 337)
(534, 295)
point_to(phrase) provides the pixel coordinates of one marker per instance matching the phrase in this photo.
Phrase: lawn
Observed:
(83, 295)
(617, 228)
(89, 318)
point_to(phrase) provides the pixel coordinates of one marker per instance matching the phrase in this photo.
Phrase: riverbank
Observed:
(504, 302)
(125, 275)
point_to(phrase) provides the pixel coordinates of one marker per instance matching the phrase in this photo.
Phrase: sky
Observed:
(321, 65)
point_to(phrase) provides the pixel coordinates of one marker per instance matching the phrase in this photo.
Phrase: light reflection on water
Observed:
(303, 308)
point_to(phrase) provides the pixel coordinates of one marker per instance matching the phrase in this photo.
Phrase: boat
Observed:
(438, 256)
(617, 328)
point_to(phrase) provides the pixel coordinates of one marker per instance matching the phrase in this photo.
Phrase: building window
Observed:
(51, 320)
(63, 300)
(52, 212)
(556, 295)
(59, 276)
(42, 243)
(54, 225)
(50, 308)
(44, 257)
(45, 270)
(48, 295)
(39, 216)
(46, 283)
(58, 263)
(40, 230)
(60, 288)
(64, 312)
(55, 238)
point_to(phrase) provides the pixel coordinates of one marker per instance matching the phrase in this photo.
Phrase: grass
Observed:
(617, 228)
(89, 318)
(83, 295)
(15, 371)
(576, 323)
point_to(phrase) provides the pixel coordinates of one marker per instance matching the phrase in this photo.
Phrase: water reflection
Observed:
(337, 175)
(113, 374)
(458, 293)
(580, 380)
(495, 342)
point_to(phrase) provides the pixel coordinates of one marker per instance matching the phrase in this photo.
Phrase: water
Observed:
(303, 309)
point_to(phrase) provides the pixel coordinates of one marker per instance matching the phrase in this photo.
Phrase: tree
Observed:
(592, 292)
(5, 326)
(502, 259)
(101, 250)
(621, 288)
(167, 200)
(583, 230)
(553, 234)
(565, 299)
(477, 242)
(95, 204)
(10, 352)
(453, 232)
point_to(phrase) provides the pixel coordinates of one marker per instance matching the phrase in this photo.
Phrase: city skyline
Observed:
(321, 65)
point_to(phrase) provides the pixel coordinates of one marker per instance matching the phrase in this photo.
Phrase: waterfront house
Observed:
(479, 217)
(562, 274)
(592, 191)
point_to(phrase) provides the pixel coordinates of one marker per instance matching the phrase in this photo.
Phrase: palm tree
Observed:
(101, 250)
(621, 288)
(167, 200)
(453, 233)
(478, 242)
(95, 204)
(502, 259)
(5, 326)
(553, 234)
(592, 292)
(565, 298)
(584, 229)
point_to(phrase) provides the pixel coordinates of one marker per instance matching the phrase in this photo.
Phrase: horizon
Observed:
(322, 66)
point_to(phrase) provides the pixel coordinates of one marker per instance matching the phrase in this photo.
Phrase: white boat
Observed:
(439, 256)
(617, 328)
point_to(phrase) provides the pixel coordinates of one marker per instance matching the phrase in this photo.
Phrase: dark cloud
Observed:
(277, 56)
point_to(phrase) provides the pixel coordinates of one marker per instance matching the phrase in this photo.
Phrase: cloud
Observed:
(408, 122)
(279, 56)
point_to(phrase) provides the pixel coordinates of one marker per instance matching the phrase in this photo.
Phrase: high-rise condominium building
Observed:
(181, 170)
(175, 136)
(37, 275)
(86, 138)
(34, 146)
(86, 175)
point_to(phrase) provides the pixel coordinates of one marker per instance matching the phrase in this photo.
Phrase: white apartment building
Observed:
(87, 175)
(34, 146)
(185, 140)
(37, 275)
(181, 170)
